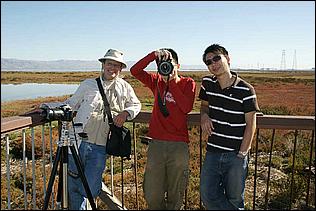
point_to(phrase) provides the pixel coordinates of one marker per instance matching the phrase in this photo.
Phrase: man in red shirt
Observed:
(167, 165)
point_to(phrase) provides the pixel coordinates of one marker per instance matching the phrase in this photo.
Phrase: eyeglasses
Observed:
(110, 64)
(212, 60)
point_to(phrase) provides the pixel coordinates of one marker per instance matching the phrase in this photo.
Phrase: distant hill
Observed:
(8, 64)
(55, 65)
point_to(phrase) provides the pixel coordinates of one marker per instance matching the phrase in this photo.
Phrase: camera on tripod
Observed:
(67, 137)
(165, 68)
(62, 113)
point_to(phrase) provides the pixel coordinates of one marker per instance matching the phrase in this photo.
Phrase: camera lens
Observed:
(62, 113)
(165, 68)
(55, 114)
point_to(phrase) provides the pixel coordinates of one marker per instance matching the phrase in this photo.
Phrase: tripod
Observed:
(65, 141)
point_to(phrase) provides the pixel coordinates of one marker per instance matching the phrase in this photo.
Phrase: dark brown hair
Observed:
(216, 49)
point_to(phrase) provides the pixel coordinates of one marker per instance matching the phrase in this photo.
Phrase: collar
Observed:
(236, 76)
(234, 83)
(108, 83)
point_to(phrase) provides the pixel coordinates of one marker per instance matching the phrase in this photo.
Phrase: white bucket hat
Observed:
(114, 55)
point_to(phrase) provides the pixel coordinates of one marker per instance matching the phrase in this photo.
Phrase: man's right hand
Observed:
(206, 125)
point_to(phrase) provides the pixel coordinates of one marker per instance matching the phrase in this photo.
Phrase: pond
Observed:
(11, 92)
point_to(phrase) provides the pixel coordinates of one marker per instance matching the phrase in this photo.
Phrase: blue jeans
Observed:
(93, 158)
(222, 182)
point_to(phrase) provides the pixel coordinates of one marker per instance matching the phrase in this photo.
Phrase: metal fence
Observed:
(281, 165)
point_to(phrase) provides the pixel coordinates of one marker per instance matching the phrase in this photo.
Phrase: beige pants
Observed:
(166, 174)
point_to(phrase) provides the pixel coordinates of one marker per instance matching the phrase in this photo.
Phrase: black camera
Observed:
(165, 68)
(62, 113)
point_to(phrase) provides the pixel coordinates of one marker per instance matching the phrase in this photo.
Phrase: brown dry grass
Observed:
(278, 93)
(284, 92)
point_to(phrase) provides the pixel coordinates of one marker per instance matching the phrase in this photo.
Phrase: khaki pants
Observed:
(166, 174)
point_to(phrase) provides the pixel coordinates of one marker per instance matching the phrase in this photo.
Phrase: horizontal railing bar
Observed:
(286, 122)
(263, 121)
(14, 123)
(9, 124)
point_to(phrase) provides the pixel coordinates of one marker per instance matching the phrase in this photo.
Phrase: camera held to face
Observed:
(165, 68)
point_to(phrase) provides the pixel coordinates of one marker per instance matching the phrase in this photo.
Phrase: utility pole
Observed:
(283, 64)
(294, 66)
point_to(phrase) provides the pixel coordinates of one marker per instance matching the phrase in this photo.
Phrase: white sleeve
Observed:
(132, 104)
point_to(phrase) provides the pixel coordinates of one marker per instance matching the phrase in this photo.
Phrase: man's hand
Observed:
(163, 55)
(206, 125)
(120, 119)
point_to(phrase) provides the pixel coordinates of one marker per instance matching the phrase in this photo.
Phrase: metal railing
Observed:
(267, 186)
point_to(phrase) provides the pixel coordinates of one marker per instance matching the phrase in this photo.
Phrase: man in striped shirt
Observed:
(228, 117)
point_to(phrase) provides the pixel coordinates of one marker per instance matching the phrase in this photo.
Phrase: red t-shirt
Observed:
(179, 101)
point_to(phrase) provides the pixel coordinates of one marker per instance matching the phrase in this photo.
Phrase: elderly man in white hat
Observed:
(112, 64)
(88, 103)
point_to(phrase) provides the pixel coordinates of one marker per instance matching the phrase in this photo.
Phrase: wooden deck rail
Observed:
(263, 121)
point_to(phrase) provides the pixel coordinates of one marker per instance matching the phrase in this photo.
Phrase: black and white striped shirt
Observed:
(227, 108)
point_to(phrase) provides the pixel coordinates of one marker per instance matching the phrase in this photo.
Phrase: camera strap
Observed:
(162, 102)
(107, 109)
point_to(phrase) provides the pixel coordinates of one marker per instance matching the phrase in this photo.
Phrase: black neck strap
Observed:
(107, 109)
(162, 102)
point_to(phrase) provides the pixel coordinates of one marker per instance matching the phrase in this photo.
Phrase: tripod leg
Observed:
(65, 204)
(60, 186)
(52, 178)
(82, 177)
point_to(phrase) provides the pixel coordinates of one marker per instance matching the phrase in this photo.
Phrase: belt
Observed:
(83, 135)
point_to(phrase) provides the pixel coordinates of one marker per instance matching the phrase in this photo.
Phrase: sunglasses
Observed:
(212, 60)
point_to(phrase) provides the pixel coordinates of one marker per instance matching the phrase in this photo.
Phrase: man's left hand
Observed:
(120, 119)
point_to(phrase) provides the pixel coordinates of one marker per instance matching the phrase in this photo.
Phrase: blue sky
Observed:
(254, 33)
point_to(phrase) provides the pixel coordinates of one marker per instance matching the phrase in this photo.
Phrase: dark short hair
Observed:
(173, 53)
(216, 49)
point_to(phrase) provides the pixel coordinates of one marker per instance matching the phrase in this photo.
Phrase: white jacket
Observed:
(87, 97)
